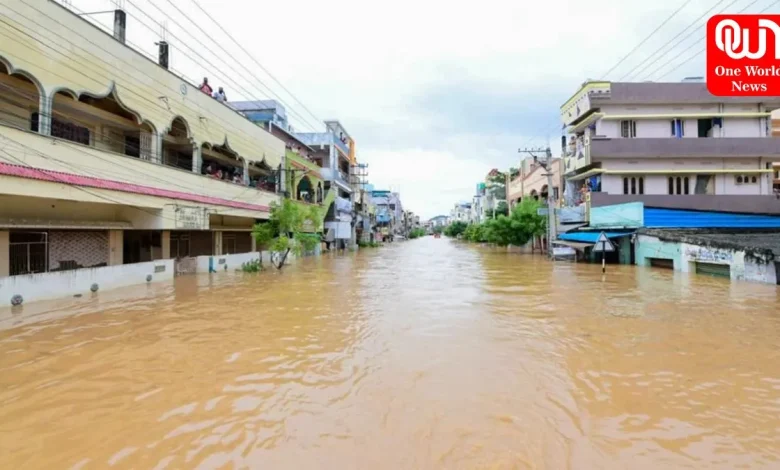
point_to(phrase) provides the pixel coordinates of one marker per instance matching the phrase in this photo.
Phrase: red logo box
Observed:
(743, 55)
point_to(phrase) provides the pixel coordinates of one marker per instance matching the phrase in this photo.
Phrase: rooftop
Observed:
(669, 93)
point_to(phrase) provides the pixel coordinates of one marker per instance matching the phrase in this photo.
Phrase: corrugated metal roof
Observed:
(99, 183)
(675, 218)
(590, 237)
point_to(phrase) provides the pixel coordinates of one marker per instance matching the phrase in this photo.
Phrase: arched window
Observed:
(753, 179)
(671, 185)
(625, 185)
(641, 185)
(633, 185)
(739, 179)
(685, 185)
(679, 185)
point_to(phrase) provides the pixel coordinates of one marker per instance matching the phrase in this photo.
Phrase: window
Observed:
(628, 129)
(746, 179)
(68, 131)
(679, 185)
(635, 183)
(678, 128)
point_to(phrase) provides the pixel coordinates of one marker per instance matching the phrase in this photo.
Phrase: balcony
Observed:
(37, 166)
(145, 93)
(685, 147)
(572, 215)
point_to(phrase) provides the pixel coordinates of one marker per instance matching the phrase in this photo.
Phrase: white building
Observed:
(657, 142)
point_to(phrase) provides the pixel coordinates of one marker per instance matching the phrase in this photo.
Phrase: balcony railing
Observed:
(685, 147)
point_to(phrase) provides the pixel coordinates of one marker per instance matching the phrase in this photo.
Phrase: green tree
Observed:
(502, 208)
(283, 232)
(455, 229)
(416, 233)
(515, 229)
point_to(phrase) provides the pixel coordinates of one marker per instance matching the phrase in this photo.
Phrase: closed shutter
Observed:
(662, 263)
(711, 269)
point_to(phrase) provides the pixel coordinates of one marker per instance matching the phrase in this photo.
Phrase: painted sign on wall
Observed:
(191, 218)
(702, 253)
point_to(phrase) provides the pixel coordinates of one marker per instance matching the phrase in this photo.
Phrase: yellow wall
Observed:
(61, 51)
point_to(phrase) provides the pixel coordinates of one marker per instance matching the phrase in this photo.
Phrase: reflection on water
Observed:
(425, 354)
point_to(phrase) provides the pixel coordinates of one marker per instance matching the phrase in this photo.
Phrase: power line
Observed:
(214, 68)
(684, 4)
(255, 61)
(630, 72)
(249, 139)
(292, 110)
(699, 52)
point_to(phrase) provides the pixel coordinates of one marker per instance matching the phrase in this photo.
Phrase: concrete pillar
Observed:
(116, 247)
(166, 244)
(5, 253)
(157, 154)
(197, 159)
(45, 105)
(254, 242)
(246, 172)
(217, 248)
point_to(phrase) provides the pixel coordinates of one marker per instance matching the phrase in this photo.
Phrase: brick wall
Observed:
(72, 250)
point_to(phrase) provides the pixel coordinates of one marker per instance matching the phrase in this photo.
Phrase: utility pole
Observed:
(547, 165)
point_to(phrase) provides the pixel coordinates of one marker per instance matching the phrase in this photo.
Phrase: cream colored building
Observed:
(103, 154)
(532, 182)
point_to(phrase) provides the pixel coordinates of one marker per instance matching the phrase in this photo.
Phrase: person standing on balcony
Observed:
(205, 87)
(220, 95)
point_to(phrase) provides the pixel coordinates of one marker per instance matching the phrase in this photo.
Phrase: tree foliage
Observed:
(455, 229)
(416, 233)
(515, 229)
(502, 208)
(283, 233)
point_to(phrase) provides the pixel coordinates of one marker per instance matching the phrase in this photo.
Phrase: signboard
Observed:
(603, 244)
(191, 218)
(542, 211)
(563, 251)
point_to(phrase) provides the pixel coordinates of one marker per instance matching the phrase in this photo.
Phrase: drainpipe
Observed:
(120, 21)
(163, 54)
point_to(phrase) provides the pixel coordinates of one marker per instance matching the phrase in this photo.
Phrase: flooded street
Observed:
(422, 354)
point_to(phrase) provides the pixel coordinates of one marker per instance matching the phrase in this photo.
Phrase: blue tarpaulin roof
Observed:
(676, 218)
(590, 237)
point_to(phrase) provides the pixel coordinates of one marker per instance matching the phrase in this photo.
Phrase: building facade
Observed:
(116, 161)
(673, 141)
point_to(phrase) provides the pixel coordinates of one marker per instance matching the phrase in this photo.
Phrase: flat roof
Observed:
(670, 93)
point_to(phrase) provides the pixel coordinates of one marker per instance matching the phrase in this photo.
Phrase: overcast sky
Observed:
(435, 93)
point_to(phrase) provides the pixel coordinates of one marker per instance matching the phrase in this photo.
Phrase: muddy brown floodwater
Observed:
(425, 354)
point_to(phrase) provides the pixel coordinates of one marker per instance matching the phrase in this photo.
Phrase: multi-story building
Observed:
(644, 161)
(531, 181)
(389, 214)
(300, 172)
(669, 145)
(110, 161)
(335, 154)
(461, 212)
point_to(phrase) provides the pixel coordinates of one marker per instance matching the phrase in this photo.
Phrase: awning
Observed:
(590, 237)
(575, 245)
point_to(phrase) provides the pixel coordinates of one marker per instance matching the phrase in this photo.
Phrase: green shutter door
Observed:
(711, 269)
(662, 263)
